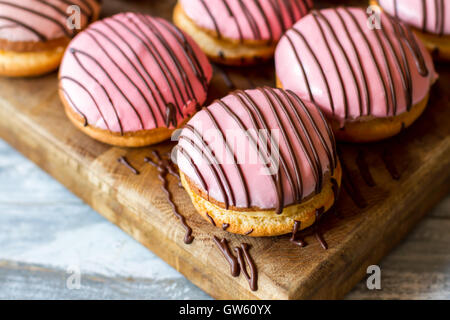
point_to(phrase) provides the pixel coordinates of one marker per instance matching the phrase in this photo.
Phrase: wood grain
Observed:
(32, 120)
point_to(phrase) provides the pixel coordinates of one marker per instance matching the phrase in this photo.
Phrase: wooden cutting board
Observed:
(32, 120)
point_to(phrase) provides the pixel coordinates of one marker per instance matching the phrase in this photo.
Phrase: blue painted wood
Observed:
(46, 232)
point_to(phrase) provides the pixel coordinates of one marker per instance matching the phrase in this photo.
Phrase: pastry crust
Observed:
(375, 129)
(29, 64)
(263, 223)
(128, 139)
(224, 51)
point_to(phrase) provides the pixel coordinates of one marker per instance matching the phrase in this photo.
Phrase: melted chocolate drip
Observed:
(230, 153)
(226, 78)
(171, 115)
(251, 84)
(317, 228)
(251, 18)
(278, 101)
(242, 253)
(439, 7)
(211, 220)
(127, 164)
(299, 242)
(364, 168)
(352, 190)
(222, 245)
(225, 226)
(164, 167)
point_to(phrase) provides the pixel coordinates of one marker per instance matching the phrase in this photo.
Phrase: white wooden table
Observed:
(46, 233)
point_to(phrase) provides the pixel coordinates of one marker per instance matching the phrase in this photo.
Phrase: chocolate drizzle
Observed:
(148, 32)
(165, 167)
(222, 245)
(127, 164)
(302, 7)
(248, 232)
(390, 164)
(352, 190)
(336, 189)
(225, 226)
(297, 237)
(364, 168)
(57, 6)
(242, 253)
(226, 78)
(317, 228)
(85, 121)
(392, 46)
(294, 239)
(239, 263)
(171, 115)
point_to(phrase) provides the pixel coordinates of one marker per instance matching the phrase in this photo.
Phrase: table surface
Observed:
(46, 233)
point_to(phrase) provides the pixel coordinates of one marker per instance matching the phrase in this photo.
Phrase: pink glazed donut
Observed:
(429, 18)
(259, 162)
(371, 83)
(237, 32)
(131, 79)
(34, 33)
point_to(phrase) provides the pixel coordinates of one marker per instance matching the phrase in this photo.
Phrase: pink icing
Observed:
(228, 24)
(261, 189)
(291, 75)
(144, 72)
(47, 22)
(433, 14)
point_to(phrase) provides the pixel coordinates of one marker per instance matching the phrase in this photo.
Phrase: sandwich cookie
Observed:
(371, 82)
(430, 20)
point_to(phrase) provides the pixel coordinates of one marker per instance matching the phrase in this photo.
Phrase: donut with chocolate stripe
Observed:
(258, 161)
(371, 81)
(131, 79)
